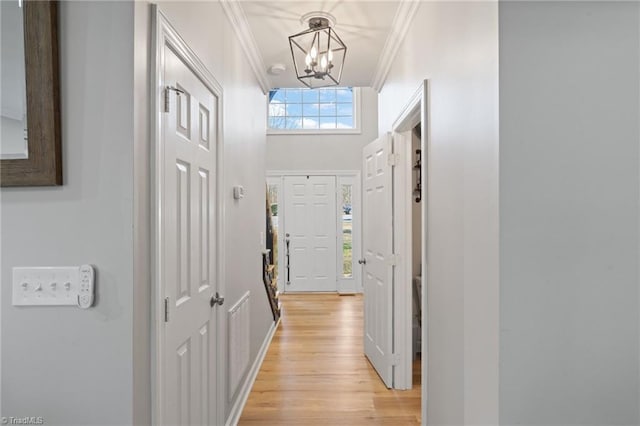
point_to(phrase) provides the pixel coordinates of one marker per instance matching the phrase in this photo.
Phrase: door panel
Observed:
(378, 250)
(310, 220)
(189, 247)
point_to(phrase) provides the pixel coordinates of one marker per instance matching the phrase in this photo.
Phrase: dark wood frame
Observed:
(44, 165)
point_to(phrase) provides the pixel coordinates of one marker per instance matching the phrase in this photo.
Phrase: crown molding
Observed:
(399, 28)
(238, 20)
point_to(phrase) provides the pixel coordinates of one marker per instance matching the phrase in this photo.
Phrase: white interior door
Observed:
(188, 226)
(377, 241)
(310, 222)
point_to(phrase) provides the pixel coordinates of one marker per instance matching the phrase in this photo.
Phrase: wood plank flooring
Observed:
(315, 371)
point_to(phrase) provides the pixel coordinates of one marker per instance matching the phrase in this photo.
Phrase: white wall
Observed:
(89, 367)
(73, 366)
(455, 46)
(569, 185)
(326, 152)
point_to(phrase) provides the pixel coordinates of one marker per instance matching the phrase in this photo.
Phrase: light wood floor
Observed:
(315, 372)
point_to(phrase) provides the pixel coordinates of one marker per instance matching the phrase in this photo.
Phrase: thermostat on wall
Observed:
(238, 192)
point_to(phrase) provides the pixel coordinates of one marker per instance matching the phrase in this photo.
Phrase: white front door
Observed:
(188, 228)
(377, 239)
(310, 226)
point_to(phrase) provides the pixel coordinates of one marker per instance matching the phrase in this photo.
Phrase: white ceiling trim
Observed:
(239, 22)
(399, 28)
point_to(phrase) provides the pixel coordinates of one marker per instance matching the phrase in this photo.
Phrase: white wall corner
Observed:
(238, 19)
(401, 22)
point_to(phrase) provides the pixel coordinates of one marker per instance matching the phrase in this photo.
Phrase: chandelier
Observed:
(318, 53)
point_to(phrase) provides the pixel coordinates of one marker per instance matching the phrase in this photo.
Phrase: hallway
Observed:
(315, 372)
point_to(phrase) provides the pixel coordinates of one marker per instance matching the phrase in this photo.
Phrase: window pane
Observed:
(327, 122)
(273, 204)
(276, 95)
(276, 109)
(294, 95)
(277, 122)
(328, 109)
(345, 123)
(294, 122)
(294, 110)
(310, 96)
(327, 95)
(324, 108)
(310, 123)
(345, 109)
(310, 110)
(344, 95)
(347, 236)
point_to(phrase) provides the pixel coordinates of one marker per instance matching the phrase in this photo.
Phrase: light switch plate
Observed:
(238, 192)
(46, 286)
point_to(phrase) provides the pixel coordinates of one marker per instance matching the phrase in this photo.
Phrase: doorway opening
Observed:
(396, 259)
(411, 135)
(316, 227)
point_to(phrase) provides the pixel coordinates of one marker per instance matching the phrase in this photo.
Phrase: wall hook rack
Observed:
(417, 168)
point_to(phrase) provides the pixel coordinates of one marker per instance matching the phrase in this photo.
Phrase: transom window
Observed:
(329, 108)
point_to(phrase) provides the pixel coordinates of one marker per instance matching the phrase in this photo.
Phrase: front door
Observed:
(377, 240)
(188, 227)
(310, 228)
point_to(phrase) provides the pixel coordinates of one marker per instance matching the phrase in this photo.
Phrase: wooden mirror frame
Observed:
(43, 167)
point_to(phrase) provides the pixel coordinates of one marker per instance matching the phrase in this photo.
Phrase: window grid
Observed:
(311, 109)
(347, 231)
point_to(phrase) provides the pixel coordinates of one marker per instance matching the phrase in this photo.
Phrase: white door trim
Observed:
(272, 175)
(163, 34)
(414, 112)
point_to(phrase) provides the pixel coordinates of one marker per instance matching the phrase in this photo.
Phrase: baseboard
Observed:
(243, 395)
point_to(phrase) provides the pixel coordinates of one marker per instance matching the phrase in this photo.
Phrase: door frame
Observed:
(343, 285)
(164, 34)
(414, 112)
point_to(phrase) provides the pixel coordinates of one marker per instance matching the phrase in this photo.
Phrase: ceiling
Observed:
(364, 26)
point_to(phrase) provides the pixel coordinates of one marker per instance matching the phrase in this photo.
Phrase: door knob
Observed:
(362, 261)
(216, 300)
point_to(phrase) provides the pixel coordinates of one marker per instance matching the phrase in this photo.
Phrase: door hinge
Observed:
(167, 100)
(166, 309)
(392, 260)
(392, 160)
(395, 359)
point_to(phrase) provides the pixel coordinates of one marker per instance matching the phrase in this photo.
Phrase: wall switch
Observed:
(238, 192)
(53, 286)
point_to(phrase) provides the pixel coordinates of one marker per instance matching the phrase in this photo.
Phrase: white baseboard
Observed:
(243, 395)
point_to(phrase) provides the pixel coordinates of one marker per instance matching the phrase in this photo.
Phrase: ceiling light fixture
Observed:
(318, 53)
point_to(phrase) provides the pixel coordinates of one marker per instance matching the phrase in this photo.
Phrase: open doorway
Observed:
(316, 230)
(416, 248)
(313, 347)
(410, 136)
